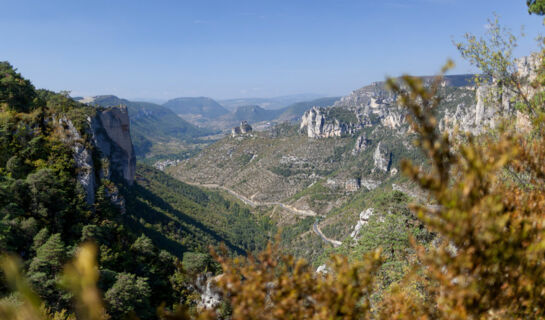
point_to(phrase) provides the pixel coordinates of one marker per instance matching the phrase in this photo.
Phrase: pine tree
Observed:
(46, 267)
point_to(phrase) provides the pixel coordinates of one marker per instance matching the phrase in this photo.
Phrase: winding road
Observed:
(252, 203)
(291, 209)
(317, 230)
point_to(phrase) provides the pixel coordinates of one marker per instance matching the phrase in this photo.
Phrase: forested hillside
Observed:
(190, 218)
(142, 230)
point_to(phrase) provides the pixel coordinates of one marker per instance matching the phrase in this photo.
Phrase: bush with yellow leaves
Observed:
(276, 286)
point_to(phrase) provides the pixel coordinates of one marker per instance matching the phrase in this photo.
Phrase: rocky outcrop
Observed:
(463, 106)
(382, 158)
(364, 217)
(82, 157)
(373, 105)
(527, 71)
(111, 139)
(361, 144)
(367, 107)
(319, 125)
(485, 114)
(492, 102)
(111, 135)
(210, 293)
(323, 269)
(376, 106)
(369, 184)
(352, 185)
(243, 128)
(373, 96)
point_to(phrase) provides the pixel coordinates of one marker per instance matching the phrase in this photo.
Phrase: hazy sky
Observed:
(230, 48)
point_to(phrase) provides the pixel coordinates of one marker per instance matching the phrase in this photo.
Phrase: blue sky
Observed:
(230, 48)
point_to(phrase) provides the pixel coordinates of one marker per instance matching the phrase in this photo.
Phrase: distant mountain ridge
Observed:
(266, 117)
(253, 113)
(269, 103)
(203, 106)
(295, 111)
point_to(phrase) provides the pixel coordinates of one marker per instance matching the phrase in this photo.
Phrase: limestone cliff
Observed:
(110, 141)
(361, 144)
(111, 135)
(463, 106)
(82, 157)
(320, 125)
(375, 105)
(382, 158)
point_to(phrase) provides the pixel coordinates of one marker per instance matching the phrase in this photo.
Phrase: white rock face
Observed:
(393, 120)
(374, 105)
(371, 105)
(82, 157)
(474, 109)
(361, 144)
(369, 184)
(373, 96)
(382, 158)
(317, 124)
(364, 219)
(86, 171)
(323, 269)
(210, 294)
(490, 104)
(527, 69)
(111, 134)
